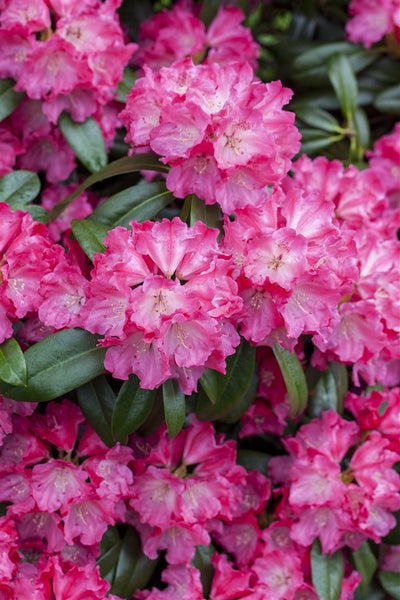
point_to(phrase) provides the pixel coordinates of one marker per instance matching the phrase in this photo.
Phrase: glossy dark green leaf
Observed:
(57, 365)
(12, 363)
(294, 378)
(19, 187)
(388, 101)
(202, 562)
(326, 572)
(317, 118)
(174, 406)
(390, 582)
(344, 83)
(328, 391)
(365, 563)
(132, 407)
(9, 98)
(133, 569)
(86, 140)
(341, 376)
(223, 393)
(37, 212)
(97, 400)
(90, 235)
(314, 140)
(123, 207)
(127, 164)
(200, 211)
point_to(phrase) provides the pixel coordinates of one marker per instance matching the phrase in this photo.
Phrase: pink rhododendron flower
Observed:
(371, 20)
(171, 35)
(162, 329)
(213, 121)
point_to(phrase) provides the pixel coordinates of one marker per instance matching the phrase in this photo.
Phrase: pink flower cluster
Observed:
(371, 20)
(189, 491)
(65, 56)
(223, 132)
(171, 35)
(162, 297)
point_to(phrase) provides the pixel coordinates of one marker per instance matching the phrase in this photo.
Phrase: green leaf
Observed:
(388, 101)
(202, 562)
(12, 363)
(9, 98)
(363, 132)
(325, 394)
(200, 211)
(86, 140)
(314, 140)
(133, 570)
(139, 202)
(57, 365)
(174, 406)
(344, 83)
(294, 378)
(37, 212)
(365, 563)
(326, 573)
(390, 582)
(90, 235)
(18, 188)
(127, 83)
(253, 460)
(131, 409)
(224, 393)
(127, 164)
(317, 118)
(97, 400)
(209, 9)
(341, 376)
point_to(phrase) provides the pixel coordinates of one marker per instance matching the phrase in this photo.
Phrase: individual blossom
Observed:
(144, 297)
(223, 133)
(385, 158)
(26, 255)
(371, 20)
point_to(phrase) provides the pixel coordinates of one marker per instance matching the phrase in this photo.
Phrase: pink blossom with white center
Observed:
(175, 322)
(42, 527)
(218, 118)
(27, 17)
(229, 583)
(371, 20)
(56, 483)
(279, 574)
(87, 518)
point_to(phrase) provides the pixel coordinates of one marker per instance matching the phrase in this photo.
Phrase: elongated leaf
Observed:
(199, 211)
(344, 83)
(324, 395)
(58, 364)
(12, 363)
(116, 209)
(314, 140)
(127, 164)
(341, 377)
(362, 129)
(86, 140)
(138, 203)
(90, 235)
(19, 187)
(295, 379)
(126, 84)
(131, 409)
(388, 101)
(326, 572)
(223, 393)
(133, 569)
(365, 563)
(202, 561)
(9, 98)
(97, 401)
(390, 583)
(317, 118)
(174, 406)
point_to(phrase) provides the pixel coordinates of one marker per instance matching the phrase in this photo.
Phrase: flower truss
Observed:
(199, 301)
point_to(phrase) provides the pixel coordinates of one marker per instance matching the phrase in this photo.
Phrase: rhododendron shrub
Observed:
(199, 300)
